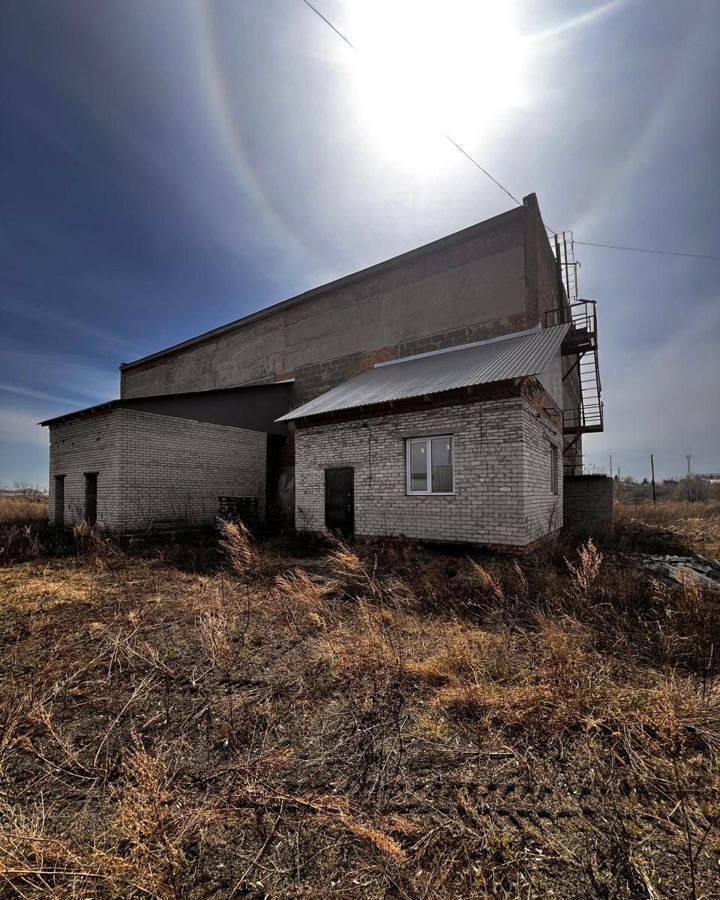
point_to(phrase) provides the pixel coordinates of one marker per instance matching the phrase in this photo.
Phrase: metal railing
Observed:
(581, 342)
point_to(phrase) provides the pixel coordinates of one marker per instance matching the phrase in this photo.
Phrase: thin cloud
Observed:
(21, 428)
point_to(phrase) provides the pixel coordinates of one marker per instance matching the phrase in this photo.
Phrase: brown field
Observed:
(22, 510)
(294, 720)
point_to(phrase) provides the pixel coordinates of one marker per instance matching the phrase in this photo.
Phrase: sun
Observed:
(428, 67)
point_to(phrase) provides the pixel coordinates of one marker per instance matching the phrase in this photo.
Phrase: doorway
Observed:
(91, 497)
(340, 501)
(59, 501)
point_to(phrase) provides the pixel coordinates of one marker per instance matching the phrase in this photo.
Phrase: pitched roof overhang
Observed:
(500, 359)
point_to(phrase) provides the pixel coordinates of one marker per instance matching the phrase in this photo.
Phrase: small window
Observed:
(553, 468)
(91, 497)
(59, 501)
(430, 465)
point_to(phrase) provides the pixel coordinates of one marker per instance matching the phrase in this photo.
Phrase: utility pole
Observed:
(611, 465)
(652, 470)
(688, 457)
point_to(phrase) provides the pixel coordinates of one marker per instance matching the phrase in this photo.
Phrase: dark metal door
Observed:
(60, 500)
(340, 501)
(91, 497)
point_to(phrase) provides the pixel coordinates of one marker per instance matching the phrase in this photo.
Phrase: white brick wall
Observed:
(502, 474)
(154, 468)
(87, 445)
(543, 509)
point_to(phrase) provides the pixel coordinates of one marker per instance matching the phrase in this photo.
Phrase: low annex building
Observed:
(440, 395)
(460, 445)
(165, 461)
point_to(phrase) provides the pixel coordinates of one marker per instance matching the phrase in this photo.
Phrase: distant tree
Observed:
(692, 488)
(27, 490)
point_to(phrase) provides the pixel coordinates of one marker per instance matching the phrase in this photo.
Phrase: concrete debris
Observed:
(704, 571)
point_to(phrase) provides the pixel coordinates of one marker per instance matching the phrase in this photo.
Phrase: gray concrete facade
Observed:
(588, 503)
(493, 278)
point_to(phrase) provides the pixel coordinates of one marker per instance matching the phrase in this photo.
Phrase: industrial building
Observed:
(440, 395)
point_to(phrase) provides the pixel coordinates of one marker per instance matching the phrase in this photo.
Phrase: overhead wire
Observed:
(445, 134)
(648, 250)
(499, 184)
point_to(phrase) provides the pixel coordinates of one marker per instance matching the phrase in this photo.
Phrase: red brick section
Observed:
(287, 453)
(319, 378)
(514, 549)
(539, 398)
(385, 354)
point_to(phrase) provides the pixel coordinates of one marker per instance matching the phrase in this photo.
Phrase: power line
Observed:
(484, 171)
(494, 180)
(330, 25)
(444, 133)
(647, 250)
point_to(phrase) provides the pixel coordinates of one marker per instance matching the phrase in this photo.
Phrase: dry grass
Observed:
(22, 510)
(682, 526)
(365, 722)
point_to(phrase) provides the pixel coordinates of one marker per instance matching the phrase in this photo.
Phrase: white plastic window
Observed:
(430, 465)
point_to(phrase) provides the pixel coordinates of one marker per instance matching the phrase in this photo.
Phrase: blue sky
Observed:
(168, 166)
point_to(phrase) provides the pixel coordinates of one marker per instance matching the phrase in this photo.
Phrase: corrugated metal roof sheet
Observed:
(499, 359)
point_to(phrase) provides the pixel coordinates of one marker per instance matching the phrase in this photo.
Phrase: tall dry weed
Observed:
(19, 543)
(585, 573)
(239, 548)
(151, 820)
(348, 565)
(489, 583)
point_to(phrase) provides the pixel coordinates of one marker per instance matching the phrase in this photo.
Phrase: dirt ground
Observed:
(288, 719)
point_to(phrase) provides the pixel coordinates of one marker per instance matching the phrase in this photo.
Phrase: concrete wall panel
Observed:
(466, 285)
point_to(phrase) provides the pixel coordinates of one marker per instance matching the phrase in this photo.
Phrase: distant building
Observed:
(441, 395)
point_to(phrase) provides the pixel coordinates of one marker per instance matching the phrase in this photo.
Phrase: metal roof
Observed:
(498, 359)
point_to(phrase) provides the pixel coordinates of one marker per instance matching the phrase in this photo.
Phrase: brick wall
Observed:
(502, 476)
(543, 508)
(175, 469)
(155, 469)
(86, 445)
(588, 502)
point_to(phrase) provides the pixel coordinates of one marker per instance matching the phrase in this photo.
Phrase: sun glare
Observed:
(428, 67)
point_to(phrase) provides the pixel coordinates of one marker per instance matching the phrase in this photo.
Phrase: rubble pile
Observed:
(678, 568)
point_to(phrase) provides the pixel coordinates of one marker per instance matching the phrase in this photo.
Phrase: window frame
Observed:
(427, 440)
